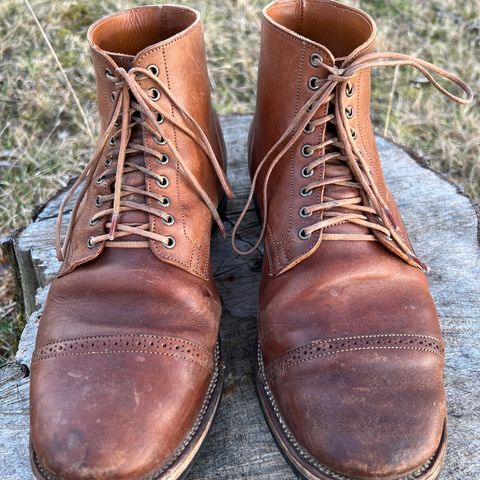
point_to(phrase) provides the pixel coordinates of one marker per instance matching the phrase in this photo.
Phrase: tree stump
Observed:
(443, 227)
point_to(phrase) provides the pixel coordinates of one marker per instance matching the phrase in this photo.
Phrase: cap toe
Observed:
(374, 414)
(116, 416)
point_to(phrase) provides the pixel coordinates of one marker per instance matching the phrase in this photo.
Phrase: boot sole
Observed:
(177, 468)
(300, 461)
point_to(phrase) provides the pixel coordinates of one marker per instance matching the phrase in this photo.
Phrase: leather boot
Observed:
(126, 375)
(350, 353)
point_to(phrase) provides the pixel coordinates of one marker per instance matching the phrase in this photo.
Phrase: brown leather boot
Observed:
(350, 354)
(126, 375)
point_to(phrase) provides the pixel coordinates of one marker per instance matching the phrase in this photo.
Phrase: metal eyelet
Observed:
(113, 96)
(108, 161)
(309, 128)
(170, 243)
(163, 183)
(303, 235)
(163, 160)
(350, 89)
(165, 202)
(153, 69)
(313, 83)
(98, 201)
(93, 221)
(168, 221)
(159, 141)
(307, 172)
(304, 213)
(100, 180)
(349, 112)
(110, 74)
(112, 141)
(304, 192)
(307, 150)
(160, 118)
(316, 59)
(354, 133)
(90, 242)
(155, 94)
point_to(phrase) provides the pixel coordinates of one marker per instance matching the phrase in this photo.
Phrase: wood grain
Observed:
(443, 227)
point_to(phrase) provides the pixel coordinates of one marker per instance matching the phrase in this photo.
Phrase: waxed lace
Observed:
(368, 208)
(134, 107)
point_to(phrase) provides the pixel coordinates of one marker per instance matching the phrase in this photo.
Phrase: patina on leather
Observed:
(350, 360)
(126, 375)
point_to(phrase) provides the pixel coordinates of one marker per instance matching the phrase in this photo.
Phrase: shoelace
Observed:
(368, 207)
(130, 100)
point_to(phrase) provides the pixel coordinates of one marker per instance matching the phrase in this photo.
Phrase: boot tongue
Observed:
(123, 61)
(338, 168)
(136, 178)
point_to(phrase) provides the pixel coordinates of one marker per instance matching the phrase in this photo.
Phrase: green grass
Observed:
(44, 139)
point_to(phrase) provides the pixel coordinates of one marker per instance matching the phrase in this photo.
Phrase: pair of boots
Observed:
(126, 375)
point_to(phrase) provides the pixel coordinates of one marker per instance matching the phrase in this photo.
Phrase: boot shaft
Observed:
(302, 44)
(140, 46)
(166, 39)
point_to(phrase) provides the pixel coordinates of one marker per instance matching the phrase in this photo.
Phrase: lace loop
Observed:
(371, 201)
(129, 99)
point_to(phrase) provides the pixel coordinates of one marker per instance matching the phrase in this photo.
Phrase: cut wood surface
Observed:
(443, 227)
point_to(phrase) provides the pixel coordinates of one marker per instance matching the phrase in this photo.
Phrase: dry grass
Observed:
(44, 138)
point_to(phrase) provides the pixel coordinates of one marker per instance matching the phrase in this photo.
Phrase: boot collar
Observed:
(321, 24)
(126, 37)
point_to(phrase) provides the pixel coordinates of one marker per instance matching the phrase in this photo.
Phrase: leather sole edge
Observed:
(300, 463)
(178, 467)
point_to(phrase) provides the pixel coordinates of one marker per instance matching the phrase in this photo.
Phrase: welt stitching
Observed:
(294, 442)
(187, 439)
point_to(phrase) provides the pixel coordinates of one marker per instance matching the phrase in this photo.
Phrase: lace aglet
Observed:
(391, 218)
(113, 226)
(230, 193)
(417, 260)
(222, 229)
